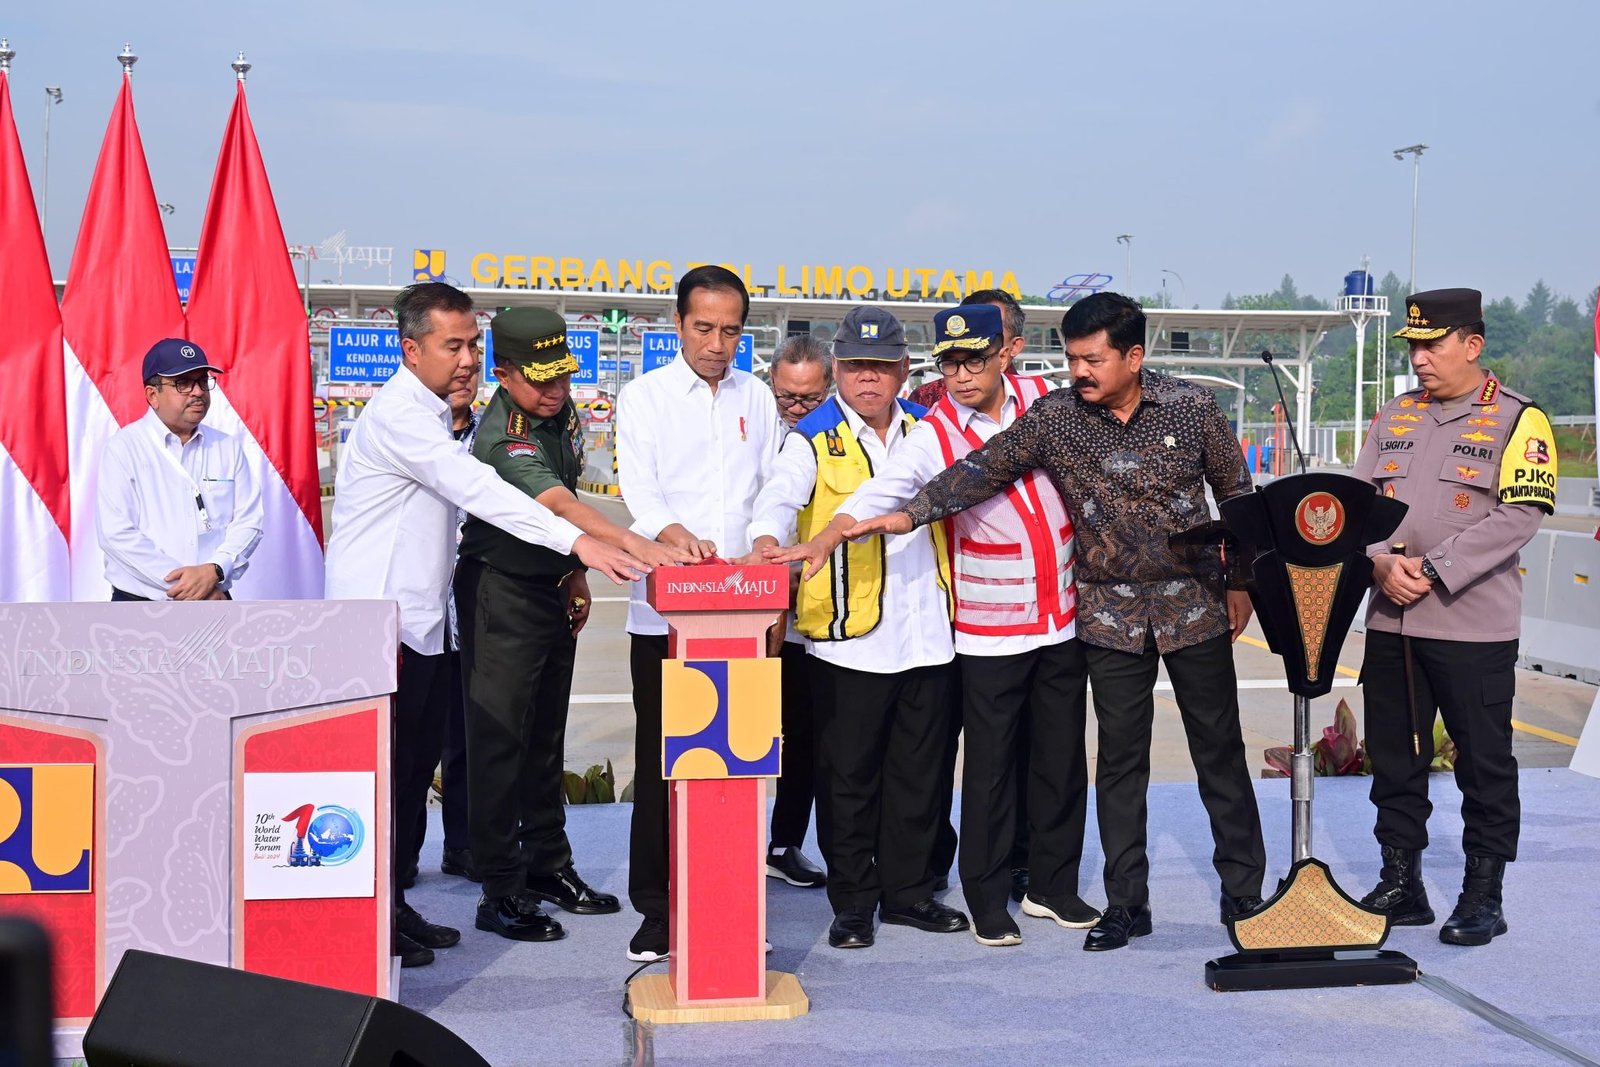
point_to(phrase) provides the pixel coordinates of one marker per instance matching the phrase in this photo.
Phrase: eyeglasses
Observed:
(950, 365)
(190, 386)
(799, 400)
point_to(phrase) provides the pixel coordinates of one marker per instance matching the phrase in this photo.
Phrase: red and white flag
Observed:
(245, 310)
(35, 508)
(120, 299)
(1597, 377)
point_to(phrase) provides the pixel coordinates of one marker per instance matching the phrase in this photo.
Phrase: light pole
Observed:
(1127, 239)
(1181, 284)
(1415, 152)
(52, 97)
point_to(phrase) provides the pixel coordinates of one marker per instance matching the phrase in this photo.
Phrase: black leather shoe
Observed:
(651, 942)
(1239, 907)
(1116, 926)
(411, 954)
(1478, 917)
(1400, 893)
(852, 928)
(423, 932)
(458, 861)
(518, 918)
(929, 915)
(996, 930)
(1019, 883)
(568, 892)
(1067, 910)
(791, 865)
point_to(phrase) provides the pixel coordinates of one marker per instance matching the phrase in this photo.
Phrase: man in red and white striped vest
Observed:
(1022, 668)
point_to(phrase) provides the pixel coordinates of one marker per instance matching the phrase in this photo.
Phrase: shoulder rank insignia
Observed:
(1477, 435)
(1401, 417)
(517, 425)
(1491, 388)
(1468, 473)
(1483, 422)
(1401, 431)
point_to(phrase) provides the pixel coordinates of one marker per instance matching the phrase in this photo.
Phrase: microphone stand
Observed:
(1266, 357)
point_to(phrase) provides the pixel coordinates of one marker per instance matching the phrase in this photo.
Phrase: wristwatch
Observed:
(1427, 570)
(220, 576)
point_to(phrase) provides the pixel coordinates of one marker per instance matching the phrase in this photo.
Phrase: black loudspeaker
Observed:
(160, 1011)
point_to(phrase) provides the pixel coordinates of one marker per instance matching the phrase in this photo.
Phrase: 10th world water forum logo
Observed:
(326, 835)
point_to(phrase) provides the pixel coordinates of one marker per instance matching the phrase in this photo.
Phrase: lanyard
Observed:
(199, 499)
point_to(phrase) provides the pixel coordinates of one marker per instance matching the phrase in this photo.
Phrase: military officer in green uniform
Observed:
(520, 608)
(1475, 463)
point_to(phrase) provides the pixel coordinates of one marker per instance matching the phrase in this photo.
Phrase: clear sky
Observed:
(1237, 141)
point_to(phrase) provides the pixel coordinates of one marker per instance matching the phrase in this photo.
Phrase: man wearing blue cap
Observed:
(177, 508)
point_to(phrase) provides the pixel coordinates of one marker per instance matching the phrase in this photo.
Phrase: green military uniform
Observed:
(517, 646)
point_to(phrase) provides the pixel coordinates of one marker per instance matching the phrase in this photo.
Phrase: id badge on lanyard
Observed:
(199, 498)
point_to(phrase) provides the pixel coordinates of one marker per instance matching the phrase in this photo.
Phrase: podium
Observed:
(205, 780)
(1306, 536)
(721, 740)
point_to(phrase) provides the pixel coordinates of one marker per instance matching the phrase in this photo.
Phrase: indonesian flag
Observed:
(35, 508)
(1597, 376)
(120, 299)
(245, 310)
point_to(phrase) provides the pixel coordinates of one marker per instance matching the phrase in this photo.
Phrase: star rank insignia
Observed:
(517, 425)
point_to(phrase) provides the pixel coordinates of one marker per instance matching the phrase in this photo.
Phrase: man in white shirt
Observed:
(877, 614)
(1023, 672)
(695, 440)
(402, 477)
(802, 377)
(178, 510)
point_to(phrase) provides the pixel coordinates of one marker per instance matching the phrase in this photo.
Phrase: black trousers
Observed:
(880, 745)
(946, 840)
(1471, 684)
(453, 765)
(1003, 697)
(791, 811)
(1206, 690)
(517, 652)
(647, 838)
(420, 701)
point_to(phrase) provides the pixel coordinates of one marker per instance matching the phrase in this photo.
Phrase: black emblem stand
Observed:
(1306, 535)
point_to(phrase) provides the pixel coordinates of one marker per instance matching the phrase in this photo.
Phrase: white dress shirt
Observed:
(914, 626)
(689, 456)
(916, 463)
(402, 475)
(150, 522)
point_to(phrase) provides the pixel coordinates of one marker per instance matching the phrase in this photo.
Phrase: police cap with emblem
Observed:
(534, 341)
(970, 328)
(1433, 314)
(869, 333)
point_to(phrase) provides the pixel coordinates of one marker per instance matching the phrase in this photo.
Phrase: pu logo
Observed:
(427, 265)
(720, 718)
(46, 828)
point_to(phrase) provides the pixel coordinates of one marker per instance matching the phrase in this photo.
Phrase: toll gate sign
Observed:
(363, 353)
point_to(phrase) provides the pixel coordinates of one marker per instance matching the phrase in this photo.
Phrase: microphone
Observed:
(1266, 357)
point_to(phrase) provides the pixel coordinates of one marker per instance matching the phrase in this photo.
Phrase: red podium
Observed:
(721, 740)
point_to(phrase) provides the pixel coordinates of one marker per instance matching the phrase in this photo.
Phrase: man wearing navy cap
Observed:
(178, 510)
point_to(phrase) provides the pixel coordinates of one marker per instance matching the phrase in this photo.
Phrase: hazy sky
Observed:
(1236, 141)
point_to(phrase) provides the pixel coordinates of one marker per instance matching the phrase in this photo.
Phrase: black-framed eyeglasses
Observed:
(950, 365)
(799, 400)
(190, 386)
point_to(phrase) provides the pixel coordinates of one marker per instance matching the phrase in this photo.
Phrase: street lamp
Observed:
(1415, 152)
(52, 97)
(1181, 284)
(1127, 239)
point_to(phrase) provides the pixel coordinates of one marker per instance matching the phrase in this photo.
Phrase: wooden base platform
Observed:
(650, 997)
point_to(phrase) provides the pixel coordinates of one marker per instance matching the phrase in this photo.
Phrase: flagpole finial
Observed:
(127, 58)
(7, 54)
(241, 66)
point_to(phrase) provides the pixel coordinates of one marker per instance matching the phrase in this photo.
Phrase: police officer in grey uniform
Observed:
(520, 607)
(1475, 463)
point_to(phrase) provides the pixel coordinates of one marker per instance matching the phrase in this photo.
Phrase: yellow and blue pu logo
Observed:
(720, 718)
(427, 265)
(46, 828)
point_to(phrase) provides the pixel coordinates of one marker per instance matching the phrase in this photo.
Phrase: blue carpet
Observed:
(918, 998)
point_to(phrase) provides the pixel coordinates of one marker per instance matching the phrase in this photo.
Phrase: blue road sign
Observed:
(183, 274)
(660, 347)
(609, 366)
(363, 353)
